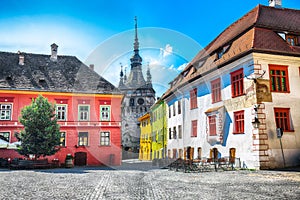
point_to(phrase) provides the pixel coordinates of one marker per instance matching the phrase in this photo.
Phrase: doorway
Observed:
(80, 158)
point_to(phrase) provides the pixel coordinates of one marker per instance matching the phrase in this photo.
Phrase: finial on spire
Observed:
(121, 73)
(136, 41)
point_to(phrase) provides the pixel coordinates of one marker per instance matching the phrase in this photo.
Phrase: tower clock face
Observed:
(140, 101)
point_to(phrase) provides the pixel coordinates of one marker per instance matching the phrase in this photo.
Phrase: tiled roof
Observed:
(255, 31)
(39, 73)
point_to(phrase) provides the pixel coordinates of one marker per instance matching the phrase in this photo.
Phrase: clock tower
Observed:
(139, 96)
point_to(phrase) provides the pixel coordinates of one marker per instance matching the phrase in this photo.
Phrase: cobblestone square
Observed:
(140, 180)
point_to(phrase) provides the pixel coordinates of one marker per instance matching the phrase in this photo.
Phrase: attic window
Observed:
(185, 73)
(292, 40)
(200, 64)
(42, 82)
(222, 51)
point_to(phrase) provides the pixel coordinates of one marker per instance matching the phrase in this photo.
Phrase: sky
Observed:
(101, 32)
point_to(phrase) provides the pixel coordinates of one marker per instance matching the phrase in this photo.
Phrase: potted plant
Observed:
(69, 161)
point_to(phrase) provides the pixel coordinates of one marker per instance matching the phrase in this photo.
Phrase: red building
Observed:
(87, 106)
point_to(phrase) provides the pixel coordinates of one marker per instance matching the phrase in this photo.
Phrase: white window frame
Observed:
(5, 113)
(81, 143)
(103, 138)
(65, 111)
(83, 115)
(104, 118)
(2, 132)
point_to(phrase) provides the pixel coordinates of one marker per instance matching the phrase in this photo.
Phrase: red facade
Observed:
(90, 125)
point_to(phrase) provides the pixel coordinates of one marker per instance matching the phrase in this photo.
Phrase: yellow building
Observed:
(159, 130)
(145, 138)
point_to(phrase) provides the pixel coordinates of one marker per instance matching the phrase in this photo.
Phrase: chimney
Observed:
(21, 58)
(53, 52)
(275, 3)
(92, 67)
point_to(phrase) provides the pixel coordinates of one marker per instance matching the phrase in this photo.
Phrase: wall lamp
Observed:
(256, 122)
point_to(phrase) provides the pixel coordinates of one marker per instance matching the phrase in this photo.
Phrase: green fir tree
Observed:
(41, 135)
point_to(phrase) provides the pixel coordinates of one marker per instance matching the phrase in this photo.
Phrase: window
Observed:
(222, 51)
(131, 102)
(83, 138)
(174, 153)
(170, 133)
(292, 40)
(194, 128)
(179, 131)
(180, 153)
(4, 136)
(174, 133)
(282, 118)
(179, 107)
(238, 122)
(105, 138)
(199, 150)
(193, 98)
(279, 79)
(212, 125)
(174, 110)
(104, 113)
(237, 83)
(62, 139)
(169, 111)
(216, 90)
(61, 112)
(84, 113)
(169, 153)
(5, 111)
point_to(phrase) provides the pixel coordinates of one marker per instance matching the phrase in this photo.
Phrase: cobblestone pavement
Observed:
(139, 180)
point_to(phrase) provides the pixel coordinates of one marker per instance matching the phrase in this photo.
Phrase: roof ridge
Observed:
(37, 54)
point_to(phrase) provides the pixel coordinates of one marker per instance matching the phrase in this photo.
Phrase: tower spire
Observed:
(149, 77)
(136, 40)
(121, 83)
(136, 78)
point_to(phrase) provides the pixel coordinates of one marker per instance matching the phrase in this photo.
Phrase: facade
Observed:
(145, 138)
(240, 91)
(87, 106)
(159, 130)
(139, 96)
(175, 125)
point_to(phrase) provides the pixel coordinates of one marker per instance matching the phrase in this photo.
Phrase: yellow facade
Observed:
(145, 137)
(159, 130)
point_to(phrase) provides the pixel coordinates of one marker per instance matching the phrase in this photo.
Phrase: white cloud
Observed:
(171, 67)
(168, 50)
(181, 67)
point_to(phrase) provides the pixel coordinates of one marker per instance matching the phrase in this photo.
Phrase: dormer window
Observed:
(185, 73)
(222, 51)
(289, 38)
(292, 40)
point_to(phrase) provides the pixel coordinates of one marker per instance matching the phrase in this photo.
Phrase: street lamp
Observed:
(256, 122)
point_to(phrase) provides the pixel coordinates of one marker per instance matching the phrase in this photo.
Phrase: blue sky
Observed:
(100, 32)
